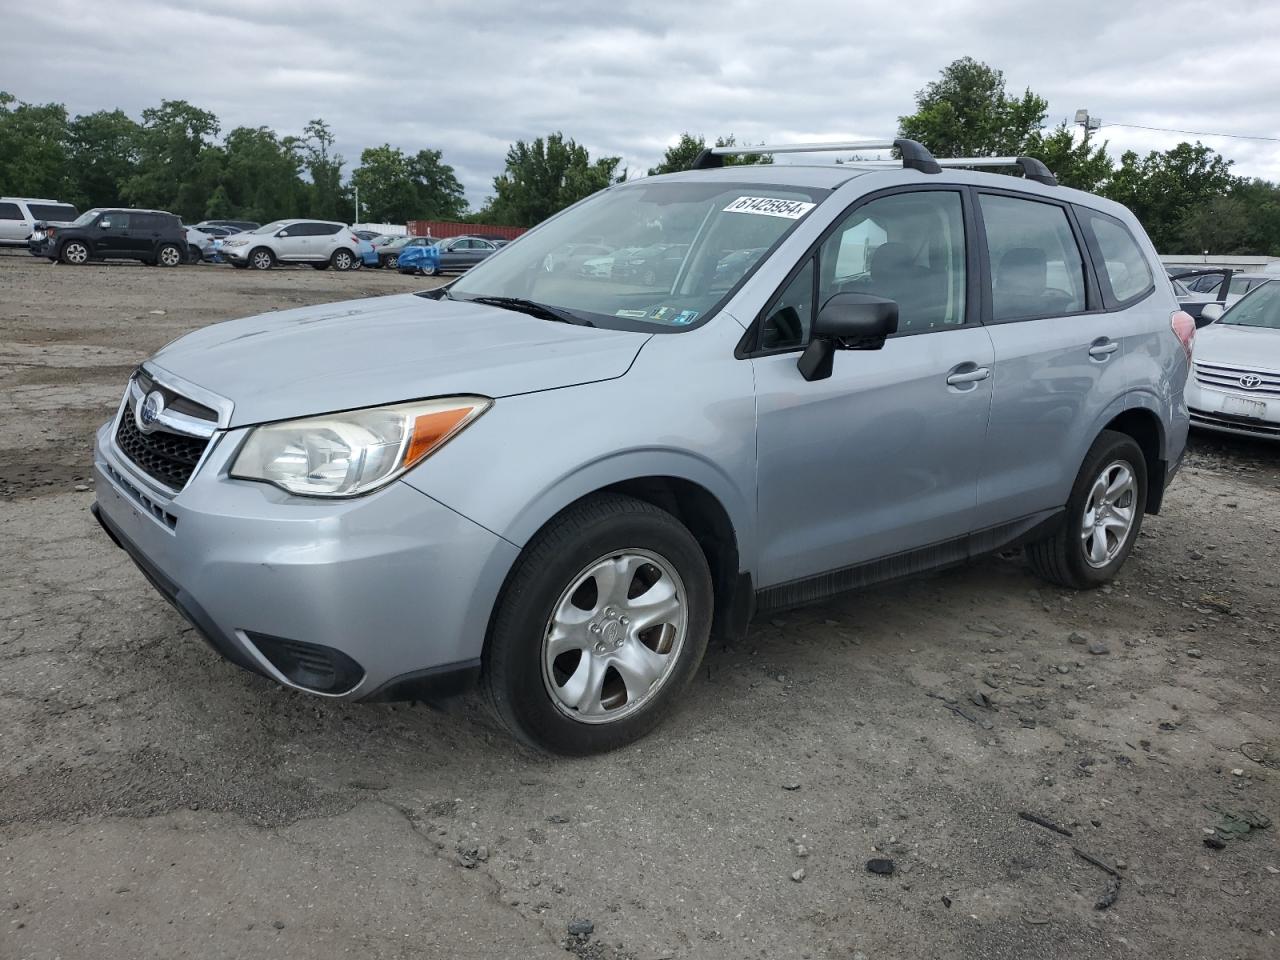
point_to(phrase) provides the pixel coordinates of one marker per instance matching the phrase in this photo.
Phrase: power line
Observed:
(1193, 133)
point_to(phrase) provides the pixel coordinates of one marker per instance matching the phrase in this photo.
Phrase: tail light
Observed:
(1184, 328)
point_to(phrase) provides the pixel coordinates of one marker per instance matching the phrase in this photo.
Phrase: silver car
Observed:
(562, 486)
(320, 243)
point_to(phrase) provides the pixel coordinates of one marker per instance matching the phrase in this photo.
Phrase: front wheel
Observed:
(429, 269)
(600, 627)
(1103, 516)
(342, 260)
(168, 255)
(262, 259)
(74, 252)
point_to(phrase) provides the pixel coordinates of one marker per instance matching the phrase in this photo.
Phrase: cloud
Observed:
(626, 79)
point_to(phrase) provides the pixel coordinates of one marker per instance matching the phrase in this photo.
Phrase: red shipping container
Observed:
(448, 228)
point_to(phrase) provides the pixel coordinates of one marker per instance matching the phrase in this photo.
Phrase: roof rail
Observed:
(1031, 168)
(914, 155)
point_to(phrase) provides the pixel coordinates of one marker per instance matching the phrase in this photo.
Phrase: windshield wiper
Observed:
(534, 309)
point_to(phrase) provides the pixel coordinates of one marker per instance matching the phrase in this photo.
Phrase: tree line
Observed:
(175, 157)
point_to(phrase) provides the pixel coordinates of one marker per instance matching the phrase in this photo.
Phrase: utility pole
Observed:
(1088, 123)
(356, 221)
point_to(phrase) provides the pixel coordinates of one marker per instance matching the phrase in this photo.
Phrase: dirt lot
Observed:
(156, 802)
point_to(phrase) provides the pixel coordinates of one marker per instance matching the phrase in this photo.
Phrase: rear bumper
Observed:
(385, 596)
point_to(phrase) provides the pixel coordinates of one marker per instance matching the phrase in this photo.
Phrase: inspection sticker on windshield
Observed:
(770, 207)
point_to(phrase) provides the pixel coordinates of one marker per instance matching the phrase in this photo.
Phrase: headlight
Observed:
(347, 454)
(234, 243)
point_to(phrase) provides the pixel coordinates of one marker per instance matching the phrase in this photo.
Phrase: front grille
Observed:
(170, 458)
(1262, 428)
(1220, 376)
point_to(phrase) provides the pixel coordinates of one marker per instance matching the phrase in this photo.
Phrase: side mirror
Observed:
(283, 233)
(848, 321)
(104, 224)
(1211, 312)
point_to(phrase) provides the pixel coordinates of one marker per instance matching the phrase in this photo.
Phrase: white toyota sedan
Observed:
(1236, 386)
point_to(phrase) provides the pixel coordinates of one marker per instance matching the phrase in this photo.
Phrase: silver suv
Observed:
(321, 243)
(562, 484)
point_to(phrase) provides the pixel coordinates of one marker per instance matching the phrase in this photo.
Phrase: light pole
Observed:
(1087, 123)
(356, 221)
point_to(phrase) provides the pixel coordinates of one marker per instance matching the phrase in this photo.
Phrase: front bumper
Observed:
(234, 254)
(390, 593)
(1219, 410)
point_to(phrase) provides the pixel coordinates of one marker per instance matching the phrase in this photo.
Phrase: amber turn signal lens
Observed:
(432, 429)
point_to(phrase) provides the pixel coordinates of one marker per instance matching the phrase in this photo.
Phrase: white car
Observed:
(199, 244)
(1236, 382)
(18, 215)
(320, 243)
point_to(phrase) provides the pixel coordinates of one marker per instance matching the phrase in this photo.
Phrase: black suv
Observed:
(151, 236)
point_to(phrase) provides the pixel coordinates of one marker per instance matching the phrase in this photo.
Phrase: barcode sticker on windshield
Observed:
(770, 207)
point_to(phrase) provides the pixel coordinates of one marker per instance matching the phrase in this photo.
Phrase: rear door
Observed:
(1058, 354)
(144, 234)
(15, 227)
(325, 238)
(881, 457)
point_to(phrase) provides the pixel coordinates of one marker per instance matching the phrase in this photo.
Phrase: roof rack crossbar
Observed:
(914, 155)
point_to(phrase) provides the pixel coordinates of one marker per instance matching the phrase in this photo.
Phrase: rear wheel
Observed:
(600, 627)
(168, 255)
(74, 252)
(1103, 517)
(194, 253)
(342, 259)
(429, 269)
(262, 259)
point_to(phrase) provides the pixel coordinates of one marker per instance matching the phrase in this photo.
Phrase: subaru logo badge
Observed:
(1251, 381)
(149, 411)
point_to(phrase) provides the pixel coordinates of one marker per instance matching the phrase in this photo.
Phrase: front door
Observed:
(111, 236)
(882, 457)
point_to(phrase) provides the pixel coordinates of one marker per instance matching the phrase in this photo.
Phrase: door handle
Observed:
(969, 376)
(1103, 349)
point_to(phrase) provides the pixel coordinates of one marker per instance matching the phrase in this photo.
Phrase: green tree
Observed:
(1164, 187)
(1244, 221)
(543, 177)
(103, 152)
(262, 174)
(440, 195)
(1078, 165)
(326, 197)
(968, 113)
(388, 193)
(178, 165)
(683, 152)
(33, 149)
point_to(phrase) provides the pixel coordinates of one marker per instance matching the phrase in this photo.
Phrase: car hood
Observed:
(339, 356)
(1250, 348)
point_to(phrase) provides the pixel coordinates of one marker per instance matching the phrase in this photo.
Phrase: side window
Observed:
(907, 247)
(10, 211)
(790, 317)
(114, 221)
(1036, 267)
(1126, 265)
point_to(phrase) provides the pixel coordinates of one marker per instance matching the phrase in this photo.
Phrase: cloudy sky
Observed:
(470, 76)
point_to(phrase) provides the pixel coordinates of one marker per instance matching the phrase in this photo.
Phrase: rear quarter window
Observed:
(10, 211)
(61, 212)
(1124, 264)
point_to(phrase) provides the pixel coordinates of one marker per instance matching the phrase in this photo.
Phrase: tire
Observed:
(343, 259)
(260, 258)
(1082, 558)
(194, 253)
(74, 252)
(238, 265)
(530, 690)
(429, 270)
(168, 255)
(391, 263)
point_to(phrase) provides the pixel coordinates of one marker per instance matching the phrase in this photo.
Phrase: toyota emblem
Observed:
(1251, 381)
(149, 411)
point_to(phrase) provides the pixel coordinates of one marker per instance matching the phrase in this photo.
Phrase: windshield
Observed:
(87, 217)
(648, 256)
(1261, 308)
(272, 227)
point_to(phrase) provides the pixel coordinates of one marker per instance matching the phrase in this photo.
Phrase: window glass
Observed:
(1036, 267)
(1241, 285)
(1127, 267)
(791, 316)
(115, 221)
(10, 211)
(57, 212)
(1261, 309)
(908, 247)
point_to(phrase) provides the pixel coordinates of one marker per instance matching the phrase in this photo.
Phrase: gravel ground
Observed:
(157, 802)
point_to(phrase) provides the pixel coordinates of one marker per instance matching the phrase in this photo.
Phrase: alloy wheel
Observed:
(77, 253)
(614, 636)
(1109, 513)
